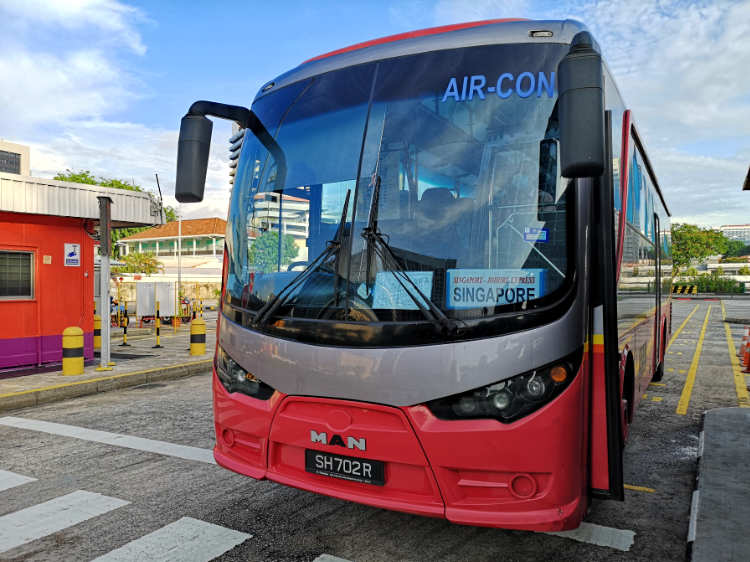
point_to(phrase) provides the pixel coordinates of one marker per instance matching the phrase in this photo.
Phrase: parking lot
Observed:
(128, 474)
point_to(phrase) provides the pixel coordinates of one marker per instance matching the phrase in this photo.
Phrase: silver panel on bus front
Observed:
(398, 376)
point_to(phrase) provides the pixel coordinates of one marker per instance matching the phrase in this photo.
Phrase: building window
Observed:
(10, 162)
(16, 275)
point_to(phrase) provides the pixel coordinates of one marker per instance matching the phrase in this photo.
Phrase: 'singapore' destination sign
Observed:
(477, 288)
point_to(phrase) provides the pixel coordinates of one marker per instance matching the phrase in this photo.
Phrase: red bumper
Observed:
(526, 475)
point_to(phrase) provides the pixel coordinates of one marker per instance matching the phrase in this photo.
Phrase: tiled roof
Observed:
(190, 227)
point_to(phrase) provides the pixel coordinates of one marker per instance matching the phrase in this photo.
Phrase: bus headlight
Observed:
(512, 398)
(236, 379)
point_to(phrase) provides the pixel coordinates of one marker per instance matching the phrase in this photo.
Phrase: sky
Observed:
(101, 85)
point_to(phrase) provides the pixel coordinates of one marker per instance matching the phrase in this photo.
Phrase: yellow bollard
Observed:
(72, 351)
(97, 332)
(201, 308)
(125, 322)
(198, 337)
(158, 325)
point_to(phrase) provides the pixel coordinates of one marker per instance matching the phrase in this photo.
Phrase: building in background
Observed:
(294, 214)
(14, 158)
(202, 248)
(736, 232)
(200, 238)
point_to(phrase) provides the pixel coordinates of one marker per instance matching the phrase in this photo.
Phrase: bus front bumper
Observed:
(527, 475)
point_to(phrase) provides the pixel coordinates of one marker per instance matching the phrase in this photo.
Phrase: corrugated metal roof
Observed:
(26, 194)
(190, 227)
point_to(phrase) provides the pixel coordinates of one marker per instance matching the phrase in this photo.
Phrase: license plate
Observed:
(347, 468)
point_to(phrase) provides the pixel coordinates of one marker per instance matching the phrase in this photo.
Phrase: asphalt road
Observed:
(282, 523)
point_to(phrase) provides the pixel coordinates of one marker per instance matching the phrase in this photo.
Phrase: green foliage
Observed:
(264, 253)
(691, 242)
(735, 248)
(145, 263)
(714, 283)
(744, 270)
(85, 176)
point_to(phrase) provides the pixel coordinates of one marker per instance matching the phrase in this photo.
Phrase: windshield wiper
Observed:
(332, 248)
(377, 243)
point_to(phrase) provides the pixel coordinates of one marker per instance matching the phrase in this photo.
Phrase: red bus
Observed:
(442, 288)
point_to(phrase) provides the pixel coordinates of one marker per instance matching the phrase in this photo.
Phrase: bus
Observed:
(445, 278)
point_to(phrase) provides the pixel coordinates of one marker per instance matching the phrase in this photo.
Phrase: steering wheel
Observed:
(359, 311)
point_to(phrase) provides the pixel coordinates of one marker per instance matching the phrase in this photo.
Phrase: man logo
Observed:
(351, 442)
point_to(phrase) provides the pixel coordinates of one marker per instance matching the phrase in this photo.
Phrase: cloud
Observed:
(106, 20)
(46, 88)
(456, 11)
(60, 98)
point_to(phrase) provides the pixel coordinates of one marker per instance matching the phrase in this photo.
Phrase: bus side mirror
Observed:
(192, 158)
(581, 109)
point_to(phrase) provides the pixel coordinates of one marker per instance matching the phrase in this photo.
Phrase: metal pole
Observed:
(104, 249)
(179, 265)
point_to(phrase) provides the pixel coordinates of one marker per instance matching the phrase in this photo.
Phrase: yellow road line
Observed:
(687, 390)
(657, 399)
(677, 333)
(99, 379)
(743, 400)
(639, 488)
(657, 384)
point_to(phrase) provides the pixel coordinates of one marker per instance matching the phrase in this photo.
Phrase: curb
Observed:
(695, 498)
(45, 395)
(711, 296)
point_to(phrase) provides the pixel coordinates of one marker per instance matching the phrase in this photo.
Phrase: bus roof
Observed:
(412, 34)
(471, 34)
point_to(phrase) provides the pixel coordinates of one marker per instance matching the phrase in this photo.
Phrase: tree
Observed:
(85, 176)
(735, 248)
(691, 242)
(264, 253)
(145, 263)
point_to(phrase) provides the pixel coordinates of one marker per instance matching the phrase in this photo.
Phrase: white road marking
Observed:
(619, 539)
(329, 558)
(128, 441)
(185, 540)
(11, 480)
(26, 525)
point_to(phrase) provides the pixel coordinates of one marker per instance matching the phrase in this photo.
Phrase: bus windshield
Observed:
(449, 156)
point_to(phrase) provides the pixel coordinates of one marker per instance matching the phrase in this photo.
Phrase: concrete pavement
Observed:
(135, 364)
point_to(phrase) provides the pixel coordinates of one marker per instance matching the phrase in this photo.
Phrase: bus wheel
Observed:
(659, 374)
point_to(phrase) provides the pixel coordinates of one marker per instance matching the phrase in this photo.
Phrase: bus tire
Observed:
(628, 391)
(659, 373)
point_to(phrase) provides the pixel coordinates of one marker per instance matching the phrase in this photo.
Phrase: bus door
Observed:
(657, 271)
(606, 479)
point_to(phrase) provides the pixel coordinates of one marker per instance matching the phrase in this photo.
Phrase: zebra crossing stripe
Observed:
(128, 441)
(619, 539)
(32, 523)
(185, 540)
(11, 480)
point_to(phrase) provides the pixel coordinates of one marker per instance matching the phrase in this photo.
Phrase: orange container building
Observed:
(47, 247)
(55, 295)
